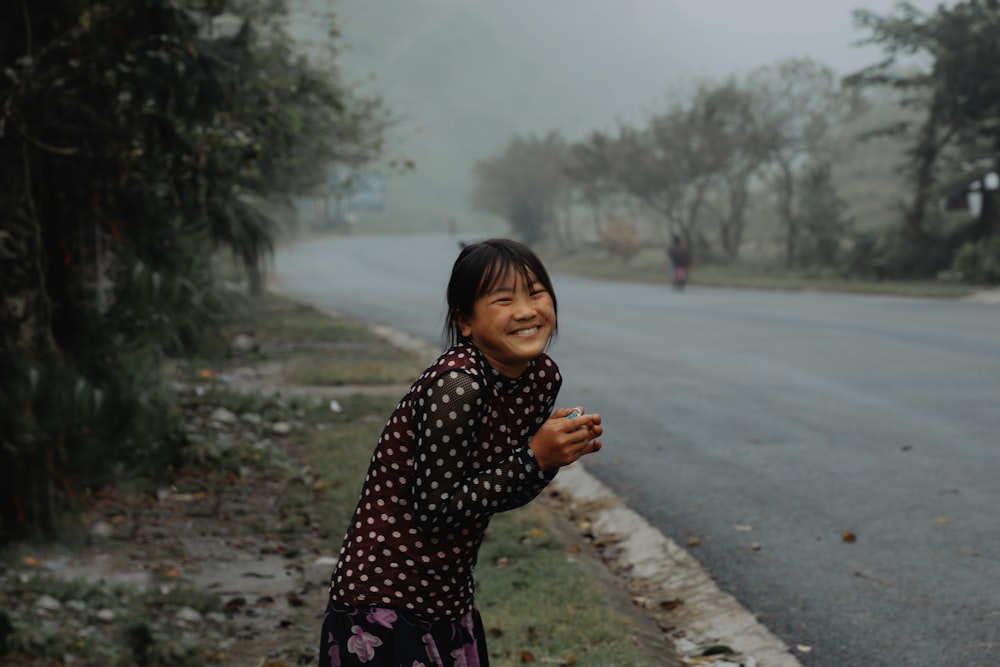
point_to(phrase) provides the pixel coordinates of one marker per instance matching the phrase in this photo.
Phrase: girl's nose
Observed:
(523, 307)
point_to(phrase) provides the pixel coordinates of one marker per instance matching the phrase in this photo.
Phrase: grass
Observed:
(356, 367)
(650, 266)
(536, 605)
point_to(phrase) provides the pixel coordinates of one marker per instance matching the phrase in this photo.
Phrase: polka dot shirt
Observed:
(453, 453)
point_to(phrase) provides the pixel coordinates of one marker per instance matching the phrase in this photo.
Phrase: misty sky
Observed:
(732, 35)
(466, 75)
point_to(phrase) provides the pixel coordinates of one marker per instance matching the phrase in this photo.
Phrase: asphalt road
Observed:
(768, 425)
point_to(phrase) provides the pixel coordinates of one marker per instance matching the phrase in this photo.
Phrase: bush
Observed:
(978, 261)
(620, 240)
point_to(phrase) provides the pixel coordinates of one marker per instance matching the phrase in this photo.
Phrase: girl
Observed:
(475, 435)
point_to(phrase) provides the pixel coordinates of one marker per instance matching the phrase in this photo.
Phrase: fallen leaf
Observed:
(848, 536)
(943, 520)
(742, 527)
(694, 541)
(527, 656)
(803, 648)
(571, 659)
(30, 560)
(205, 373)
(235, 604)
(609, 539)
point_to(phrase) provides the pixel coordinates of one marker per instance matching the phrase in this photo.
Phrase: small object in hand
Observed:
(577, 411)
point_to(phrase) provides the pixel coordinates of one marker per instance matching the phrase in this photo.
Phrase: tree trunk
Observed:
(786, 199)
(26, 344)
(925, 156)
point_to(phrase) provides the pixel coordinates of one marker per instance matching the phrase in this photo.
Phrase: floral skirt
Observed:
(379, 637)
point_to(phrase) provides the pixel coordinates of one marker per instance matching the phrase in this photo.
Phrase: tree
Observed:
(136, 138)
(741, 147)
(944, 64)
(524, 185)
(822, 218)
(799, 106)
(591, 170)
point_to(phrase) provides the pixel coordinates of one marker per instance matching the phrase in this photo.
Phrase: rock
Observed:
(223, 416)
(47, 603)
(188, 615)
(242, 343)
(102, 529)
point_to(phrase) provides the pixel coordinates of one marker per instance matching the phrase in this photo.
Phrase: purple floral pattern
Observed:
(363, 644)
(384, 617)
(380, 637)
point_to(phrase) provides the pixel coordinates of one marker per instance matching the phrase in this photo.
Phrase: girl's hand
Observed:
(562, 440)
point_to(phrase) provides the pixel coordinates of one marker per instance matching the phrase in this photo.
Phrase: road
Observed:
(768, 425)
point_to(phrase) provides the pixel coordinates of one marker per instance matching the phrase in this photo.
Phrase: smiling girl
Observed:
(476, 434)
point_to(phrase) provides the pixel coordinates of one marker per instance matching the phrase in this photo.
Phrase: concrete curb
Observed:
(664, 571)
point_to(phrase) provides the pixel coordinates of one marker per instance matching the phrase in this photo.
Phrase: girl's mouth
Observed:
(526, 332)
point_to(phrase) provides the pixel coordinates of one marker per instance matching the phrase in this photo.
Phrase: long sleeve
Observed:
(450, 486)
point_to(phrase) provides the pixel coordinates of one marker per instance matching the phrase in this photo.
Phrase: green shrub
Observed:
(978, 261)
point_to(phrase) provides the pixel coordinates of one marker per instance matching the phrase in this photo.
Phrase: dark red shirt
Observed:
(453, 453)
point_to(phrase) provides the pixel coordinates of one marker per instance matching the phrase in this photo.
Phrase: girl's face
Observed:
(512, 323)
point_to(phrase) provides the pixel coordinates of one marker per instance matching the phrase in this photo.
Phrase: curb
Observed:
(676, 590)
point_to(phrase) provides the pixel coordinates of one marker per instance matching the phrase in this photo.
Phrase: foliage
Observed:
(978, 261)
(708, 164)
(137, 137)
(697, 162)
(801, 108)
(823, 219)
(524, 184)
(959, 93)
(620, 240)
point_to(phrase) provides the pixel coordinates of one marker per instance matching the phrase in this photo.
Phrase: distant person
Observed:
(476, 434)
(680, 261)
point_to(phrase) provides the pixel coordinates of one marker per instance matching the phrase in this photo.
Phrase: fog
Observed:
(464, 76)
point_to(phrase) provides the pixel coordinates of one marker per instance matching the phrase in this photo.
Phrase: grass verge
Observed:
(650, 266)
(225, 561)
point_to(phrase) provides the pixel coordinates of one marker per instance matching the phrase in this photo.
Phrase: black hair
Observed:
(483, 265)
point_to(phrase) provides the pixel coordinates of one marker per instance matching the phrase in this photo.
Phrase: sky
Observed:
(728, 36)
